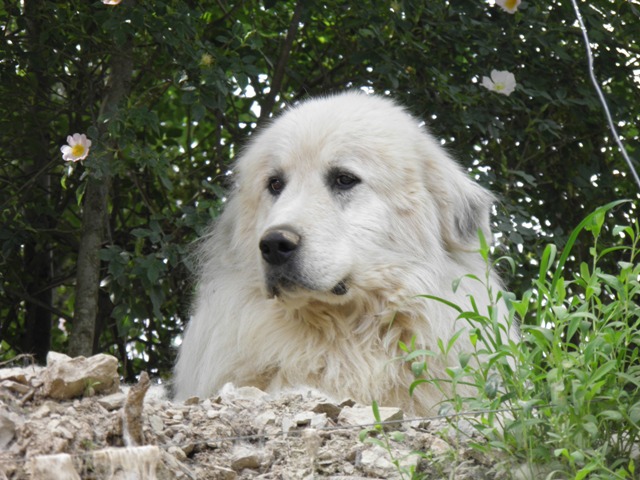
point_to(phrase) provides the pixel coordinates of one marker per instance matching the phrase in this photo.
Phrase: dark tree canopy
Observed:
(169, 91)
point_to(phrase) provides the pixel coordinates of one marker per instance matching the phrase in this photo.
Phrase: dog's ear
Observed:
(464, 206)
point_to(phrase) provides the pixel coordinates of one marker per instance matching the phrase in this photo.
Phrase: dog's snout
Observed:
(277, 246)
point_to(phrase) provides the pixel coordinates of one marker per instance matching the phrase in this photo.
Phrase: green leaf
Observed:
(376, 410)
(611, 415)
(464, 358)
(548, 256)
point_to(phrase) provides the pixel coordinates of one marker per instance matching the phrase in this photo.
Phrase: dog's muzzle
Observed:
(278, 248)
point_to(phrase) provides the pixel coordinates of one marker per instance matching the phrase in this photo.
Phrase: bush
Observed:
(565, 400)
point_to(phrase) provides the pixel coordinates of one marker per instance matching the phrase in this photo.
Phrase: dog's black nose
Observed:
(277, 246)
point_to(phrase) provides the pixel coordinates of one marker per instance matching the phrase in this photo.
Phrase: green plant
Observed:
(566, 398)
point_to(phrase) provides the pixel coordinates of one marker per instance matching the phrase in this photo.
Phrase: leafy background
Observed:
(169, 92)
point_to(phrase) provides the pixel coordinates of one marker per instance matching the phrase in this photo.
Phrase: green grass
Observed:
(564, 401)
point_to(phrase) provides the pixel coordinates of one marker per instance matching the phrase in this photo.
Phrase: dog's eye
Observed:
(275, 185)
(345, 182)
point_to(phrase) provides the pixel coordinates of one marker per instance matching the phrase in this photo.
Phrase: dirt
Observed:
(243, 433)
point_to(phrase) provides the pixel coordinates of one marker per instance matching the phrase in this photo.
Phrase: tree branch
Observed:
(278, 73)
(31, 299)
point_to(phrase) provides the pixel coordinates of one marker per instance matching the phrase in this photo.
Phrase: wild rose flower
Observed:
(77, 148)
(206, 60)
(510, 6)
(116, 2)
(501, 82)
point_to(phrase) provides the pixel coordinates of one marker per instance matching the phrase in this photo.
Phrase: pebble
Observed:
(364, 416)
(178, 453)
(113, 401)
(245, 457)
(213, 413)
(156, 423)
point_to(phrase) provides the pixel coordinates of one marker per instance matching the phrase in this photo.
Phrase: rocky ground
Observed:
(72, 420)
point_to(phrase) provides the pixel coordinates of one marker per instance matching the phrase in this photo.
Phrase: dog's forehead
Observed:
(351, 116)
(345, 126)
(356, 132)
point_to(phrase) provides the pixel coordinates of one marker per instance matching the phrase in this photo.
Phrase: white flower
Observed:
(501, 81)
(77, 148)
(116, 2)
(510, 6)
(206, 60)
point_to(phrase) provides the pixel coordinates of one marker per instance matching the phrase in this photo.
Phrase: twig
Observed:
(278, 73)
(132, 433)
(601, 95)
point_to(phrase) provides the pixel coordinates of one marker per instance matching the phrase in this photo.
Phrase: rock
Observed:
(139, 463)
(21, 381)
(377, 461)
(231, 394)
(364, 416)
(246, 457)
(157, 425)
(303, 419)
(52, 467)
(172, 469)
(287, 424)
(7, 431)
(13, 374)
(177, 452)
(347, 402)
(26, 375)
(67, 377)
(14, 386)
(113, 401)
(313, 441)
(330, 409)
(238, 436)
(223, 473)
(349, 477)
(45, 410)
(263, 419)
(437, 446)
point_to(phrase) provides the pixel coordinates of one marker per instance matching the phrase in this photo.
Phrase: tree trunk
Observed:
(81, 338)
(94, 217)
(36, 337)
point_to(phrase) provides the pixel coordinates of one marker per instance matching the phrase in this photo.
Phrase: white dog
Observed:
(344, 209)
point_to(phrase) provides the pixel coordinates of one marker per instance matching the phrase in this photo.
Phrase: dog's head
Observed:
(338, 191)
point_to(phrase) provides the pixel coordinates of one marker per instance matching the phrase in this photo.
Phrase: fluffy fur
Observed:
(377, 213)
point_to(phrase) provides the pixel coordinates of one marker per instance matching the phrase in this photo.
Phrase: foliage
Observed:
(565, 400)
(206, 74)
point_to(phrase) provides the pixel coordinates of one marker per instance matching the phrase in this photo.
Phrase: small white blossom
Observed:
(510, 6)
(501, 82)
(206, 60)
(111, 2)
(77, 148)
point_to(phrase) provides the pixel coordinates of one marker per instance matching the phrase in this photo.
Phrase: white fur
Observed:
(408, 228)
